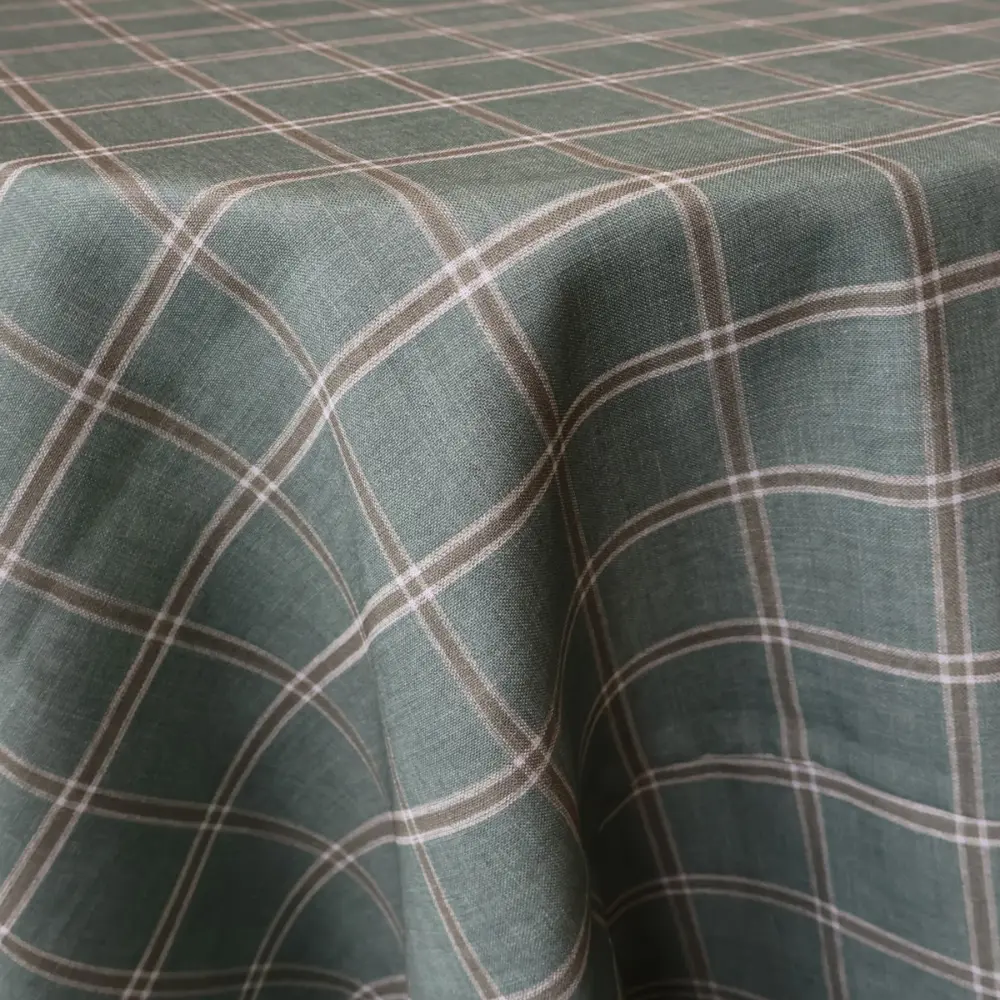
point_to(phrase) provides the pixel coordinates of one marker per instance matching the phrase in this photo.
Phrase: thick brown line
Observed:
(482, 694)
(778, 771)
(539, 397)
(756, 525)
(623, 82)
(863, 89)
(153, 293)
(138, 620)
(734, 431)
(76, 418)
(532, 384)
(952, 599)
(867, 934)
(890, 14)
(171, 264)
(146, 207)
(908, 491)
(424, 825)
(61, 819)
(96, 979)
(977, 480)
(848, 647)
(918, 664)
(961, 698)
(968, 277)
(710, 280)
(932, 70)
(817, 89)
(690, 30)
(452, 245)
(955, 123)
(172, 812)
(163, 422)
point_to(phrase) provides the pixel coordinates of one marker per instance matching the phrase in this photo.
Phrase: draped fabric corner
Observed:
(499, 499)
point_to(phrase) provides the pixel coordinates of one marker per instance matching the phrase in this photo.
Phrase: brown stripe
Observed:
(934, 70)
(901, 490)
(757, 531)
(474, 968)
(960, 698)
(47, 473)
(862, 485)
(734, 431)
(487, 148)
(441, 821)
(60, 820)
(873, 656)
(963, 280)
(164, 423)
(775, 770)
(714, 301)
(713, 298)
(525, 371)
(137, 620)
(862, 931)
(529, 381)
(733, 427)
(106, 980)
(877, 656)
(452, 247)
(889, 14)
(44, 474)
(482, 694)
(172, 812)
(201, 217)
(692, 30)
(862, 90)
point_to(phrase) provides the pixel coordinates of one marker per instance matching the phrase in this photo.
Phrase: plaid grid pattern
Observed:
(499, 499)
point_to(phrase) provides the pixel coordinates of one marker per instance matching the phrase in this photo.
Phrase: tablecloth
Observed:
(499, 500)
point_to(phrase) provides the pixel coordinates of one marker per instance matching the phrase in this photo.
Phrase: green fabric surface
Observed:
(499, 500)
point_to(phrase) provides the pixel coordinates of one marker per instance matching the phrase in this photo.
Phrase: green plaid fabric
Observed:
(499, 499)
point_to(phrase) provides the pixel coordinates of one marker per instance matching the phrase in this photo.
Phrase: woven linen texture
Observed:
(499, 500)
